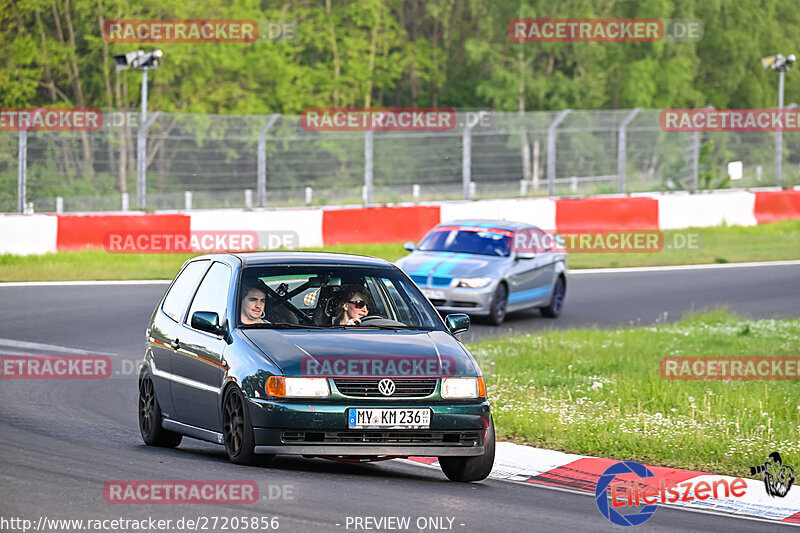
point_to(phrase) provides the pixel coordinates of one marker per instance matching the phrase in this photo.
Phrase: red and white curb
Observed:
(550, 468)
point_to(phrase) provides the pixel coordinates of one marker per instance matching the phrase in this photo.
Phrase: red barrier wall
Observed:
(606, 214)
(76, 232)
(772, 206)
(377, 224)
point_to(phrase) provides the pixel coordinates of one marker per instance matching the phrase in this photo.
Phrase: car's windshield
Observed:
(469, 240)
(332, 297)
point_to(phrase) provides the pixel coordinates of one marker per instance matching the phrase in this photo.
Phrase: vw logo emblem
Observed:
(386, 387)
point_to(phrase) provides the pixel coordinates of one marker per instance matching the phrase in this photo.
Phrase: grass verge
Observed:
(725, 244)
(600, 393)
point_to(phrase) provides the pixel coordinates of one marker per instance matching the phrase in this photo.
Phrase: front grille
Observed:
(368, 387)
(449, 438)
(464, 304)
(437, 302)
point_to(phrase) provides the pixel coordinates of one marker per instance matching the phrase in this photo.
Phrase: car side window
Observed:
(213, 292)
(182, 289)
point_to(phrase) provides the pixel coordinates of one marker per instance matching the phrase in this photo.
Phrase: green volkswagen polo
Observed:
(315, 354)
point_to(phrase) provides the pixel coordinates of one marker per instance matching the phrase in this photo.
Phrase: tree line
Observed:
(367, 53)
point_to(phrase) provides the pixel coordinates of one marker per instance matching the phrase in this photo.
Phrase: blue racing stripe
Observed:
(530, 294)
(425, 268)
(446, 267)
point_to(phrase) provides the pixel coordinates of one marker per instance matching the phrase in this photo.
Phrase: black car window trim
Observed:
(169, 289)
(186, 319)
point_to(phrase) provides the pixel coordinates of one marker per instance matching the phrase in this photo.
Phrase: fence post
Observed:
(415, 192)
(261, 173)
(59, 205)
(187, 200)
(126, 201)
(551, 152)
(694, 179)
(466, 156)
(141, 159)
(248, 198)
(621, 147)
(367, 192)
(22, 171)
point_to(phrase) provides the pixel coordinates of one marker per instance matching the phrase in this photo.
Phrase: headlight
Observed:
(463, 388)
(474, 283)
(281, 387)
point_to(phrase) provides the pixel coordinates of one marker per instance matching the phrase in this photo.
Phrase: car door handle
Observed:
(176, 345)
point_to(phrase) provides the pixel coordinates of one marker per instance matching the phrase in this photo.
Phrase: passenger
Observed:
(254, 300)
(353, 306)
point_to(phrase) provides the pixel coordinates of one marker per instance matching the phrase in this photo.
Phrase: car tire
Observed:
(553, 309)
(499, 305)
(237, 429)
(476, 468)
(150, 417)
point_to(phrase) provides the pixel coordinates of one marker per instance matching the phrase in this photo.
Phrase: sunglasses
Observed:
(360, 304)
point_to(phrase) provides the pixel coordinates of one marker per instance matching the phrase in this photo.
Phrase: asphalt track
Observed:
(62, 440)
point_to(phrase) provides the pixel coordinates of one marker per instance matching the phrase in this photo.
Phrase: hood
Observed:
(437, 269)
(294, 350)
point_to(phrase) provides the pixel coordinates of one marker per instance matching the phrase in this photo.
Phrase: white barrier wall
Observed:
(676, 211)
(28, 234)
(538, 211)
(306, 222)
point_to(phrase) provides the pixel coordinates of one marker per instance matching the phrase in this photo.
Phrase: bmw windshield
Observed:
(469, 240)
(312, 296)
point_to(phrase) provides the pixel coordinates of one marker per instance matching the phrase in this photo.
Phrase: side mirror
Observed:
(410, 246)
(457, 323)
(526, 255)
(207, 321)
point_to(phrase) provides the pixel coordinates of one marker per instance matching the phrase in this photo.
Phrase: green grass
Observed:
(725, 244)
(600, 393)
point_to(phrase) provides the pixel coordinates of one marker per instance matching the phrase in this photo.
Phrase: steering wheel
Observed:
(372, 317)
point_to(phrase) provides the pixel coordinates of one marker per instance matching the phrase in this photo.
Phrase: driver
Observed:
(254, 300)
(353, 306)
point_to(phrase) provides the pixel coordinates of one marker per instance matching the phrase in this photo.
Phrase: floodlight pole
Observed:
(141, 149)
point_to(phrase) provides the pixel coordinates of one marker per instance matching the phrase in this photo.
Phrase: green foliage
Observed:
(397, 53)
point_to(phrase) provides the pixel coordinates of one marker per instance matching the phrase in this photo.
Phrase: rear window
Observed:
(468, 240)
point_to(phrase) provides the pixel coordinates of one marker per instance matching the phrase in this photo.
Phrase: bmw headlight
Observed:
(474, 283)
(463, 388)
(281, 387)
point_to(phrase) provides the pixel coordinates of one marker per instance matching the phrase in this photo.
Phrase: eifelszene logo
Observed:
(778, 477)
(601, 494)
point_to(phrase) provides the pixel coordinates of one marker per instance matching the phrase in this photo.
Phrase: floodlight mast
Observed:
(780, 64)
(144, 62)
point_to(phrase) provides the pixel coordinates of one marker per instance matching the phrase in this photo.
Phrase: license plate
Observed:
(388, 418)
(433, 294)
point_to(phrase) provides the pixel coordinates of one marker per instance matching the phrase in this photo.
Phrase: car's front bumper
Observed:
(281, 427)
(461, 299)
